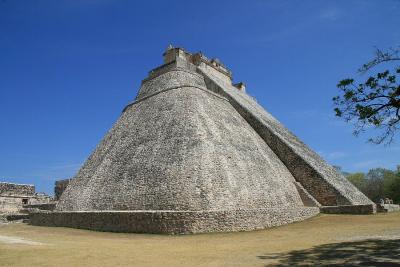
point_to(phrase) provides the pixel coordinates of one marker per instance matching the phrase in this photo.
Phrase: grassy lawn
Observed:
(325, 239)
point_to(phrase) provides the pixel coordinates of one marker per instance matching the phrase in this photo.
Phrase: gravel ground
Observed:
(350, 240)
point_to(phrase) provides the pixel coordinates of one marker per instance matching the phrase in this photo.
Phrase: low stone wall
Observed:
(174, 222)
(16, 189)
(42, 206)
(14, 203)
(387, 207)
(10, 204)
(349, 209)
(16, 217)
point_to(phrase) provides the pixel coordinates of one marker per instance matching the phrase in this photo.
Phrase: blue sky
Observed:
(68, 68)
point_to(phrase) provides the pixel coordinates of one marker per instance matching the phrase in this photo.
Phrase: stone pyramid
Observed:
(195, 153)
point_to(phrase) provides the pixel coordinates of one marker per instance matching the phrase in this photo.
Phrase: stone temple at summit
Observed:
(195, 153)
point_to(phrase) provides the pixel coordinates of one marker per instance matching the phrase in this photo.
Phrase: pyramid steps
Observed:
(321, 180)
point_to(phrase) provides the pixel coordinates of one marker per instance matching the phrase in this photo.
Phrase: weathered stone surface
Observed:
(194, 154)
(307, 198)
(16, 217)
(183, 149)
(15, 203)
(14, 196)
(174, 222)
(59, 188)
(319, 178)
(40, 206)
(12, 204)
(387, 207)
(16, 189)
(349, 209)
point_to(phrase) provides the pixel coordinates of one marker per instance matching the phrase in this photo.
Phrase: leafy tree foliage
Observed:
(375, 102)
(392, 186)
(378, 183)
(358, 179)
(374, 188)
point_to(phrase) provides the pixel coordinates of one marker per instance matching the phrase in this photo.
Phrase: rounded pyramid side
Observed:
(181, 147)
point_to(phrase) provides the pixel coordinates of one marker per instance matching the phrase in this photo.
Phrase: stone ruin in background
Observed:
(17, 200)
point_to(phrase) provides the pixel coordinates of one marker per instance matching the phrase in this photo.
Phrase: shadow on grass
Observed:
(360, 253)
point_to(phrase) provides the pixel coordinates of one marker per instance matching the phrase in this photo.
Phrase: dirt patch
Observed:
(323, 240)
(17, 240)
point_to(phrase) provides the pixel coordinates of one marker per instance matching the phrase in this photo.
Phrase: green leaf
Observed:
(348, 95)
(338, 112)
(345, 82)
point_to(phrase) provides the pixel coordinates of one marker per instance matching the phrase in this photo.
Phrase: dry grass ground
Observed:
(372, 240)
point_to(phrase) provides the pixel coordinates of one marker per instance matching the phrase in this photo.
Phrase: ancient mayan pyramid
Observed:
(196, 153)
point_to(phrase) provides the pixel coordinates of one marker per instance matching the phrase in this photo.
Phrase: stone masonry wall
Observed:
(16, 189)
(194, 154)
(59, 188)
(14, 203)
(349, 209)
(320, 179)
(174, 222)
(180, 147)
(10, 204)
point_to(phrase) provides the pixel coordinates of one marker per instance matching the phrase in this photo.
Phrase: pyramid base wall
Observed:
(387, 207)
(349, 209)
(173, 222)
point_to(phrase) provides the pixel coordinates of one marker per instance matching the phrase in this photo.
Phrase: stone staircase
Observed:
(307, 198)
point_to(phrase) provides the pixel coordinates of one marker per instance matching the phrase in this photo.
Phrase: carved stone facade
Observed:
(16, 189)
(14, 197)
